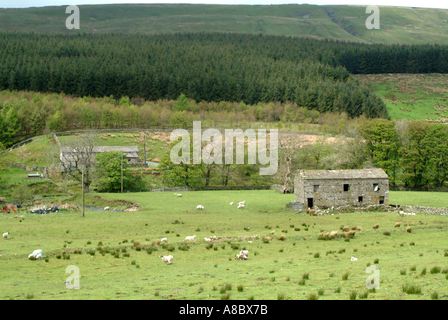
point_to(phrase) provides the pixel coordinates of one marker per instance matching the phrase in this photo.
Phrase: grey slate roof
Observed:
(376, 173)
(131, 151)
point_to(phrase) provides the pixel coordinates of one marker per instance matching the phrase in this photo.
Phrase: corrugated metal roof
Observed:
(344, 174)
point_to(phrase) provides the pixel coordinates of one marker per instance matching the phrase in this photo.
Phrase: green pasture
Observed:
(413, 97)
(398, 25)
(275, 269)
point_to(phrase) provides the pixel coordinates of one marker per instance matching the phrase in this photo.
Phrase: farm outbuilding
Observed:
(70, 156)
(327, 188)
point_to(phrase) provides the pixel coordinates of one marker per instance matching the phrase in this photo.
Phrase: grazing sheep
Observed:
(346, 229)
(351, 234)
(231, 203)
(167, 259)
(397, 224)
(6, 234)
(179, 195)
(334, 234)
(208, 239)
(240, 206)
(353, 259)
(358, 228)
(376, 226)
(408, 229)
(245, 252)
(243, 202)
(190, 238)
(413, 214)
(32, 256)
(272, 232)
(39, 256)
(199, 207)
(106, 208)
(163, 240)
(241, 256)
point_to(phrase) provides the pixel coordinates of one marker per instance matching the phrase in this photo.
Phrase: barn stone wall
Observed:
(330, 192)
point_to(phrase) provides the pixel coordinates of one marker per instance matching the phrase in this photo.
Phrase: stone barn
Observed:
(327, 188)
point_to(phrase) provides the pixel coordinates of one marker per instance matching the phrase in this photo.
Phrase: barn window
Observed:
(376, 187)
(346, 187)
(381, 200)
(359, 199)
(316, 187)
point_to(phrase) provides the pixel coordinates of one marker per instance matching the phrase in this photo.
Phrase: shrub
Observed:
(313, 296)
(345, 276)
(386, 233)
(423, 272)
(376, 261)
(435, 269)
(413, 268)
(316, 255)
(403, 272)
(225, 296)
(364, 295)
(338, 290)
(301, 282)
(353, 295)
(434, 295)
(240, 288)
(320, 292)
(411, 289)
(306, 276)
(281, 296)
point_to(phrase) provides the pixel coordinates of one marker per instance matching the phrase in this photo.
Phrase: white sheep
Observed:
(39, 256)
(231, 203)
(32, 256)
(6, 234)
(208, 239)
(163, 240)
(179, 195)
(167, 259)
(240, 206)
(241, 256)
(243, 202)
(190, 238)
(199, 207)
(106, 208)
(245, 252)
(354, 259)
(36, 252)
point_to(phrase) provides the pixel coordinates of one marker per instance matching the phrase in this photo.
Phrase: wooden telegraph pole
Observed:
(122, 173)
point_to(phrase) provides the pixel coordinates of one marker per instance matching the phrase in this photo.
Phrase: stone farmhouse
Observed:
(327, 188)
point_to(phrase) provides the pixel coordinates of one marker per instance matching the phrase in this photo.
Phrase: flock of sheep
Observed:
(242, 255)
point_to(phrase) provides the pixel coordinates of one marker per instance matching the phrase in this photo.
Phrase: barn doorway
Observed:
(381, 199)
(310, 203)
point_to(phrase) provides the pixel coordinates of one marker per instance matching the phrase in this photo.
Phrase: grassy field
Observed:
(398, 25)
(275, 270)
(411, 96)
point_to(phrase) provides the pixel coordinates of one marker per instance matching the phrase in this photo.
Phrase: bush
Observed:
(435, 269)
(364, 295)
(434, 295)
(411, 289)
(353, 295)
(313, 296)
(345, 276)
